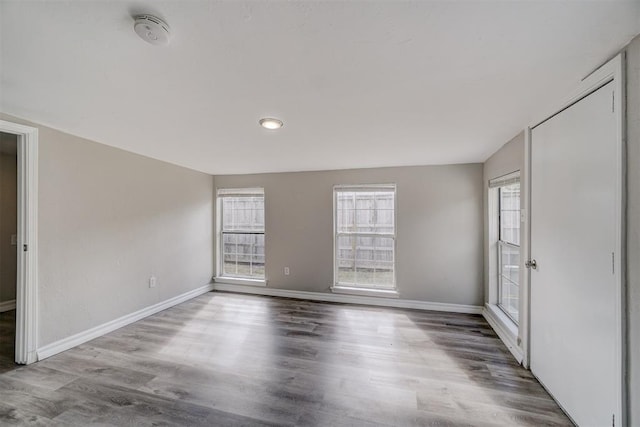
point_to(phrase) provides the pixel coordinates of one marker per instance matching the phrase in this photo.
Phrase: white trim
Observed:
(608, 72)
(492, 246)
(364, 187)
(351, 290)
(27, 261)
(504, 180)
(504, 327)
(612, 71)
(235, 192)
(620, 264)
(97, 331)
(7, 305)
(240, 281)
(525, 253)
(350, 299)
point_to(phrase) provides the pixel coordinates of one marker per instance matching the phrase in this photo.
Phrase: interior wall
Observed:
(8, 219)
(633, 229)
(108, 220)
(439, 228)
(509, 158)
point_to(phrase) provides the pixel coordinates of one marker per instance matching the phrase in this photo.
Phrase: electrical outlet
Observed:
(14, 239)
(152, 282)
(286, 271)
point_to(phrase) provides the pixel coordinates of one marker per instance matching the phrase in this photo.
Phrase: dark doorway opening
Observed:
(8, 248)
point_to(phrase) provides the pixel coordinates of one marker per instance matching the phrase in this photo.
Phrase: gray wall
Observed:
(108, 220)
(509, 158)
(439, 228)
(633, 228)
(8, 219)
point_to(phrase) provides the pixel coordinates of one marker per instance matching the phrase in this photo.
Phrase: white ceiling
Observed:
(357, 84)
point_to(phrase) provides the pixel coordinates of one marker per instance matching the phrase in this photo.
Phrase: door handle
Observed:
(531, 264)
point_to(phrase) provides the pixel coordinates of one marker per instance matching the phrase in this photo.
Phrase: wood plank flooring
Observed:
(228, 359)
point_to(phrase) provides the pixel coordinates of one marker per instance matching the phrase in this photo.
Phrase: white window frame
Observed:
(506, 244)
(509, 331)
(221, 193)
(389, 292)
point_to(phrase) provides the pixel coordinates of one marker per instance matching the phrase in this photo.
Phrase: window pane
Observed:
(384, 262)
(242, 236)
(346, 220)
(258, 270)
(364, 257)
(512, 300)
(243, 255)
(257, 258)
(345, 211)
(347, 274)
(243, 213)
(384, 279)
(229, 254)
(364, 212)
(374, 261)
(509, 259)
(510, 213)
(346, 249)
(385, 221)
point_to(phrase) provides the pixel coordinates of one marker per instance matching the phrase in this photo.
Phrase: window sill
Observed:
(384, 293)
(506, 329)
(506, 321)
(239, 281)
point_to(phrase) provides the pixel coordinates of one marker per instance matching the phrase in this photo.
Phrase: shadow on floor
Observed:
(7, 341)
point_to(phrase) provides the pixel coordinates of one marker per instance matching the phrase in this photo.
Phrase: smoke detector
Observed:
(152, 29)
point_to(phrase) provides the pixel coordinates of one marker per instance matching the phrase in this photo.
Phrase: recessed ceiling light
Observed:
(271, 123)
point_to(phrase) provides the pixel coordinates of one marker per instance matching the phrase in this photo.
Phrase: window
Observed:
(241, 239)
(365, 236)
(509, 248)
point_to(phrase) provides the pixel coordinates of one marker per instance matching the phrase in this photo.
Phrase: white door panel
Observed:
(574, 318)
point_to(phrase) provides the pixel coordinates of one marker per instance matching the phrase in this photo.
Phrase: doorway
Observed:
(8, 248)
(26, 249)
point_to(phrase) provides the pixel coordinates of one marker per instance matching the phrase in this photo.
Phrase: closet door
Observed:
(575, 315)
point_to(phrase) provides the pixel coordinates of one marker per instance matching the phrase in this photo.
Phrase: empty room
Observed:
(320, 213)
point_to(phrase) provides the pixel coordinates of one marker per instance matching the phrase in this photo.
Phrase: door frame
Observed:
(612, 71)
(27, 239)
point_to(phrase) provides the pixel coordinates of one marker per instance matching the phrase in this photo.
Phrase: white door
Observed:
(574, 307)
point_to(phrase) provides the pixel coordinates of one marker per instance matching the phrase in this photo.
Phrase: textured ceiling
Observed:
(357, 84)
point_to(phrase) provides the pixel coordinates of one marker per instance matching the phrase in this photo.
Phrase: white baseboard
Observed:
(351, 299)
(7, 305)
(95, 332)
(508, 337)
